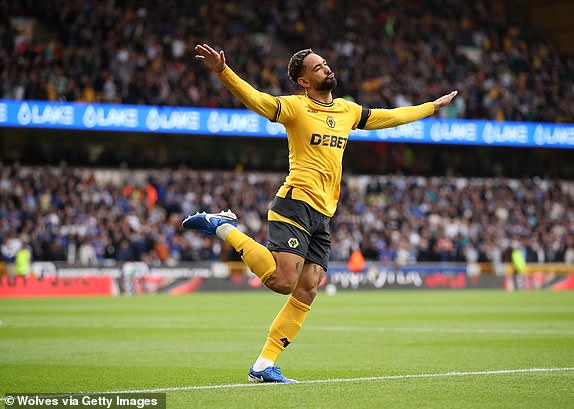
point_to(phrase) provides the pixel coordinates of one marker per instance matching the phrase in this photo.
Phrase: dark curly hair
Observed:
(295, 67)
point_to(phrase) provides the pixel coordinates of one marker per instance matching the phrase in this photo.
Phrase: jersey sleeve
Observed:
(360, 114)
(287, 109)
(257, 101)
(388, 118)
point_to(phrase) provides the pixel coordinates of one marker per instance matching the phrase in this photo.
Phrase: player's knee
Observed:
(282, 281)
(283, 288)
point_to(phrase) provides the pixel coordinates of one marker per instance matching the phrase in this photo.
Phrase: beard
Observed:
(328, 84)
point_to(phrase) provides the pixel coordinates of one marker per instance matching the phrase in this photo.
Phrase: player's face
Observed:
(318, 73)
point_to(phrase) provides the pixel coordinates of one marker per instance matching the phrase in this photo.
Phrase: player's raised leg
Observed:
(278, 271)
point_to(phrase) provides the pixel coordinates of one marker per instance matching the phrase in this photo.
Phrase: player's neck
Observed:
(322, 96)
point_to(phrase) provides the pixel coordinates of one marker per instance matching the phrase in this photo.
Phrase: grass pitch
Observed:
(382, 340)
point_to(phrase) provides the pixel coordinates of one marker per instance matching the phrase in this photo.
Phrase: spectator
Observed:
(115, 52)
(389, 218)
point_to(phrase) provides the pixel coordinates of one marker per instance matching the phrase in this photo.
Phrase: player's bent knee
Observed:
(286, 286)
(283, 289)
(282, 282)
(286, 275)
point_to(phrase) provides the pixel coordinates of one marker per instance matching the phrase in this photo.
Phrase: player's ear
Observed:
(303, 82)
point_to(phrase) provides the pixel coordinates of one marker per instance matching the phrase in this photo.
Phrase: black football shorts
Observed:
(301, 230)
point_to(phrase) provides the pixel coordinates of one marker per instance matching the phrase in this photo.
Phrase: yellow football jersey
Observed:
(317, 134)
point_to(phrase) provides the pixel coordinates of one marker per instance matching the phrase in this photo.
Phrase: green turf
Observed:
(146, 342)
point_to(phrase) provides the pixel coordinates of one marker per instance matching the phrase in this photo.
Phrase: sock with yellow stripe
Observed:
(284, 328)
(257, 257)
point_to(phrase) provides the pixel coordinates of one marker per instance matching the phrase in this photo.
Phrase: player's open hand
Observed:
(444, 100)
(214, 60)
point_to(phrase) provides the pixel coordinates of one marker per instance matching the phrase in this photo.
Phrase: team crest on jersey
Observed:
(293, 242)
(330, 122)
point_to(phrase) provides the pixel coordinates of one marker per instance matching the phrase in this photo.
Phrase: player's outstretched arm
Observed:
(260, 102)
(387, 118)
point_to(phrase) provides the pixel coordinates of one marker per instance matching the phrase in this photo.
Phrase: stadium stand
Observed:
(385, 54)
(88, 216)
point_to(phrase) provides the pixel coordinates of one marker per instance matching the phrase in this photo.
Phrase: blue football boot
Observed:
(208, 222)
(269, 374)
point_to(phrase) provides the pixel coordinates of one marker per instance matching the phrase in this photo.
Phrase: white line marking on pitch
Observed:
(307, 328)
(335, 380)
(459, 330)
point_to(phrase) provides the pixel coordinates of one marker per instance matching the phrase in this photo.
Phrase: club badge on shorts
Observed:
(293, 242)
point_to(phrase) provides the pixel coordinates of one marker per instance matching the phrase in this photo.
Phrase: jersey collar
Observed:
(330, 104)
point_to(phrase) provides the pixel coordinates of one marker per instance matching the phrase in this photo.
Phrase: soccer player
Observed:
(298, 248)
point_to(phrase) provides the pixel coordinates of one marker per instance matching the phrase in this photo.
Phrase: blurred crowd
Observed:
(385, 54)
(93, 217)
